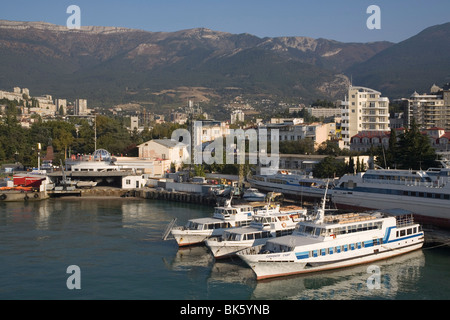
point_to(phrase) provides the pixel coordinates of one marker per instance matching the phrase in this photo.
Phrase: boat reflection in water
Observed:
(190, 257)
(233, 271)
(395, 274)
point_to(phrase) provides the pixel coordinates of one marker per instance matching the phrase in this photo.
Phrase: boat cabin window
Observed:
(309, 230)
(217, 225)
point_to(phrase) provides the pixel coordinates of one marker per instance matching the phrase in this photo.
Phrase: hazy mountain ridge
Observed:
(99, 62)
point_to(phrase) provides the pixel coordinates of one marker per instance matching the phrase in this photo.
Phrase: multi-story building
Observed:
(61, 106)
(363, 110)
(237, 116)
(81, 107)
(209, 130)
(429, 109)
(17, 94)
(294, 131)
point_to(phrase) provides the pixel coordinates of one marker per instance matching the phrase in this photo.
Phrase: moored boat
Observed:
(200, 229)
(424, 193)
(253, 194)
(264, 226)
(298, 186)
(334, 241)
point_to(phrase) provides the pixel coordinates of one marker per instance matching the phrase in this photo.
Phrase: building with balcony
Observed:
(363, 110)
(290, 130)
(429, 109)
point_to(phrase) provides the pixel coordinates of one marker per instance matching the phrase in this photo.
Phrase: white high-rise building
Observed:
(363, 110)
(80, 107)
(61, 103)
(237, 116)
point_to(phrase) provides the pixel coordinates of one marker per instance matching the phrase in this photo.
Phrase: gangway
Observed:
(169, 227)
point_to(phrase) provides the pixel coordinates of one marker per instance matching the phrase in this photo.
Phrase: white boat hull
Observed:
(224, 249)
(191, 237)
(291, 189)
(284, 264)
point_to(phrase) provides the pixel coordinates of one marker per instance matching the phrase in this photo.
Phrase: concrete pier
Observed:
(176, 196)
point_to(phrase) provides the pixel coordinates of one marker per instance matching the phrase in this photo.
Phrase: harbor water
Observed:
(116, 245)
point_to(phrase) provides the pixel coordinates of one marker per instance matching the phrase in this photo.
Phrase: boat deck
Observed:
(348, 218)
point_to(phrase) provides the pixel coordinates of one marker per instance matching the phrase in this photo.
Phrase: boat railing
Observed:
(404, 220)
(428, 184)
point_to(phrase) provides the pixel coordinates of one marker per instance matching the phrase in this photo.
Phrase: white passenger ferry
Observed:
(200, 229)
(424, 193)
(299, 186)
(264, 226)
(334, 241)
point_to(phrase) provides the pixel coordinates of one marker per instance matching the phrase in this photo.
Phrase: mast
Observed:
(321, 210)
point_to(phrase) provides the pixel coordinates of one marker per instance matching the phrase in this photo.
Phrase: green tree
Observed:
(329, 167)
(415, 150)
(302, 146)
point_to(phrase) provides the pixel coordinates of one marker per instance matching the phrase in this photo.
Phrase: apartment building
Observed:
(81, 107)
(293, 131)
(363, 110)
(429, 109)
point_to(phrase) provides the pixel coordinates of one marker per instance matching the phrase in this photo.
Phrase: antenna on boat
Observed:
(321, 210)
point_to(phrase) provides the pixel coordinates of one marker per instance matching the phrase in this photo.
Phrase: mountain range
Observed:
(109, 65)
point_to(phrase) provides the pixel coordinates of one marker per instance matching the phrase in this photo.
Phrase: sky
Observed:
(341, 20)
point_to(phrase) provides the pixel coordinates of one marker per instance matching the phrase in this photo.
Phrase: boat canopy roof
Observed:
(293, 241)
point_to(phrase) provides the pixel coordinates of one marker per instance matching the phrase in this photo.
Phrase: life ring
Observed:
(3, 197)
(36, 196)
(283, 224)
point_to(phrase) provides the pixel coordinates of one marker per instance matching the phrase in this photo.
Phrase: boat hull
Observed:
(225, 249)
(270, 266)
(189, 237)
(292, 190)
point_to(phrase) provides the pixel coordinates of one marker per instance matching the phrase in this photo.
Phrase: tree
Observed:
(329, 167)
(302, 146)
(329, 147)
(414, 149)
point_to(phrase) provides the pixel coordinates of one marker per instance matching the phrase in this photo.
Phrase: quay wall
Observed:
(150, 193)
(176, 196)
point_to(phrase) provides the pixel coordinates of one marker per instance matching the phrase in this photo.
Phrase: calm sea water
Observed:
(117, 245)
